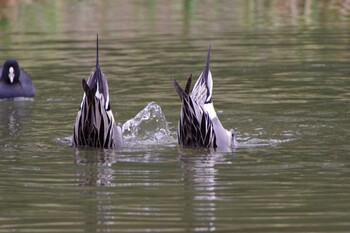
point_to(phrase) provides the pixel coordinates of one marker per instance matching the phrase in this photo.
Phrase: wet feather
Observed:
(94, 125)
(198, 124)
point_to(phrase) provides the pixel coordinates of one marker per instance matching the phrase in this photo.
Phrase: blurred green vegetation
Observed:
(163, 16)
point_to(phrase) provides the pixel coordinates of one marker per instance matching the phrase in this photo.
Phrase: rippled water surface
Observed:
(281, 79)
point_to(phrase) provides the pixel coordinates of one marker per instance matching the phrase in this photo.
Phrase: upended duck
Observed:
(199, 125)
(94, 125)
(14, 81)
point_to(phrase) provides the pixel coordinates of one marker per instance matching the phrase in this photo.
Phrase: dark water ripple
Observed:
(283, 88)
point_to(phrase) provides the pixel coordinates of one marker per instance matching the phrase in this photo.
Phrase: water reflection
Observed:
(163, 16)
(94, 167)
(96, 215)
(110, 179)
(282, 76)
(199, 180)
(14, 115)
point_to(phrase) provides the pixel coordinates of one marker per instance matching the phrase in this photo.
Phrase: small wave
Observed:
(19, 99)
(150, 128)
(256, 142)
(65, 140)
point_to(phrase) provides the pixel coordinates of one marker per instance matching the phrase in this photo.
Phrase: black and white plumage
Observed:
(199, 125)
(94, 125)
(14, 81)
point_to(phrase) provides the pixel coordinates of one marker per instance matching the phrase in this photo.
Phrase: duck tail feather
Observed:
(97, 59)
(179, 90)
(188, 85)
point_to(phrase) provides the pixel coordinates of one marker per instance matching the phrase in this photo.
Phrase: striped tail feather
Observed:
(195, 128)
(94, 125)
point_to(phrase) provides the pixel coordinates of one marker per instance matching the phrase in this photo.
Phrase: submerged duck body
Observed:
(95, 125)
(199, 125)
(14, 81)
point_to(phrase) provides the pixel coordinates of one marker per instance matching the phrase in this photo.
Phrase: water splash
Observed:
(149, 125)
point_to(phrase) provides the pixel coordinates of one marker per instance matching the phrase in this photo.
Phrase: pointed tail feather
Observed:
(206, 68)
(182, 93)
(178, 89)
(188, 85)
(97, 59)
(98, 69)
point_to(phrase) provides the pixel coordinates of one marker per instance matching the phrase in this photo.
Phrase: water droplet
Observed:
(149, 124)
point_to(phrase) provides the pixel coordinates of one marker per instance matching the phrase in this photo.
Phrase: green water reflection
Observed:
(281, 79)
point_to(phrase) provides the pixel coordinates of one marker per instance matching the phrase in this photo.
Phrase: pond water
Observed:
(281, 79)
